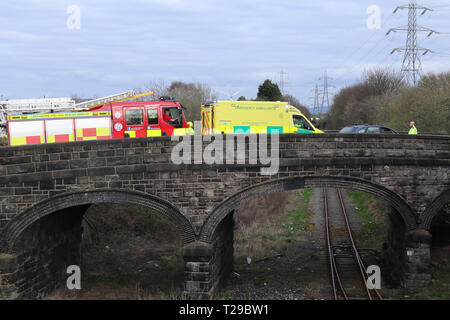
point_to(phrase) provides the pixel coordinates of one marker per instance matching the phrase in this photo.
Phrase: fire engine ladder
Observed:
(33, 105)
(20, 106)
(114, 98)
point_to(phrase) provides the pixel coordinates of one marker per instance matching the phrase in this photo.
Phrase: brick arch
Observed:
(433, 209)
(300, 182)
(69, 200)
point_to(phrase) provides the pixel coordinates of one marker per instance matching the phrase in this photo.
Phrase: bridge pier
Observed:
(198, 261)
(418, 267)
(208, 265)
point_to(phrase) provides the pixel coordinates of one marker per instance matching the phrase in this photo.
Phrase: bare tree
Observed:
(159, 88)
(77, 98)
(293, 101)
(382, 81)
(191, 96)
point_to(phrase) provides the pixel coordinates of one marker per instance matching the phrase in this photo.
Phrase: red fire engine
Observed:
(109, 121)
(146, 119)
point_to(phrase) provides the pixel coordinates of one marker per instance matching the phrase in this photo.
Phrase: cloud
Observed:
(17, 36)
(227, 44)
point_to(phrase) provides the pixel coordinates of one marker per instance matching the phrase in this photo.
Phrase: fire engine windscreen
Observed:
(176, 115)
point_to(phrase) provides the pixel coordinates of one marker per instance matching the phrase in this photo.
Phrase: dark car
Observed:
(367, 129)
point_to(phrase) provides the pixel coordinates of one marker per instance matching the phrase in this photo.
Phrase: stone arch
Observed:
(221, 211)
(69, 200)
(433, 209)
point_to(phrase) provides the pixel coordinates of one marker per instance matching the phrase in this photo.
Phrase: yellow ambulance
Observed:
(253, 117)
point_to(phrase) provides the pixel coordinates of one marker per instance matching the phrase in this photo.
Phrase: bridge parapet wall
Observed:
(414, 167)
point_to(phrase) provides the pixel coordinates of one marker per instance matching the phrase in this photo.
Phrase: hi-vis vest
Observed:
(413, 130)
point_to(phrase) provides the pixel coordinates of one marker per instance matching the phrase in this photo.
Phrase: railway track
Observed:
(347, 269)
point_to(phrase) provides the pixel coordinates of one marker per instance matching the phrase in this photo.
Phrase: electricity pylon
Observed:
(325, 93)
(412, 64)
(282, 81)
(316, 100)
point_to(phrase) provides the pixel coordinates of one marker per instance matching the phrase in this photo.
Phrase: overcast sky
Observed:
(231, 45)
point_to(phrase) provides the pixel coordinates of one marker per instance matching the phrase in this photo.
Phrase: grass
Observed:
(437, 289)
(225, 296)
(295, 222)
(281, 220)
(363, 203)
(172, 293)
(373, 214)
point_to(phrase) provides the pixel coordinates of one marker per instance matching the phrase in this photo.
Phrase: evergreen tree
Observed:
(269, 91)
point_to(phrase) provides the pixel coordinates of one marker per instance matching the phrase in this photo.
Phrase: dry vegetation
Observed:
(265, 226)
(256, 222)
(383, 98)
(128, 253)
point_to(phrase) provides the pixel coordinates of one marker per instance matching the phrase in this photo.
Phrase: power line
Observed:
(364, 57)
(361, 61)
(365, 60)
(442, 6)
(440, 54)
(412, 64)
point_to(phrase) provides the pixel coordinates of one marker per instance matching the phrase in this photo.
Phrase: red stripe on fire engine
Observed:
(34, 140)
(141, 134)
(90, 132)
(62, 138)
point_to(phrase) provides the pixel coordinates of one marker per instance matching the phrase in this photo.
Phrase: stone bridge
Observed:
(45, 190)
